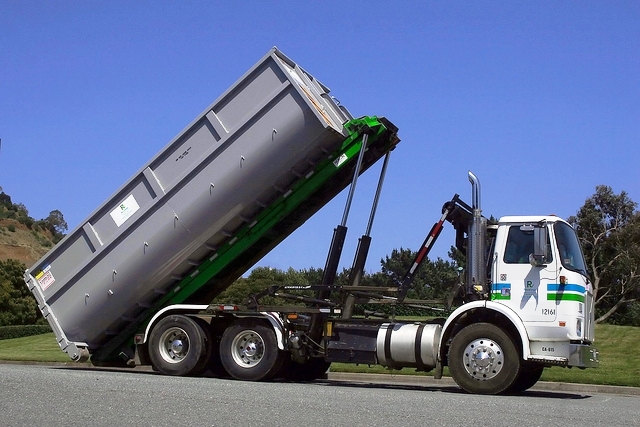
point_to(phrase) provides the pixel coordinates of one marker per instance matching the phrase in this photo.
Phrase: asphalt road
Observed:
(57, 396)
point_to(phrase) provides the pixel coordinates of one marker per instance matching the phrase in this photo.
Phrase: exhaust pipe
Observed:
(475, 191)
(476, 245)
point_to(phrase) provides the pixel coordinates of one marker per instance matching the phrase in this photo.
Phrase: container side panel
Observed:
(126, 208)
(234, 159)
(167, 236)
(52, 272)
(256, 88)
(186, 153)
(114, 284)
(240, 172)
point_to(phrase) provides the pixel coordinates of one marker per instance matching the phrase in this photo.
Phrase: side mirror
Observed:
(540, 248)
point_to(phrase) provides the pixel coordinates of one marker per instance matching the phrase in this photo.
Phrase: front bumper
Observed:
(583, 356)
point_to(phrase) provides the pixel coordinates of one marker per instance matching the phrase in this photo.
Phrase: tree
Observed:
(56, 224)
(433, 279)
(5, 200)
(609, 229)
(261, 278)
(21, 209)
(17, 305)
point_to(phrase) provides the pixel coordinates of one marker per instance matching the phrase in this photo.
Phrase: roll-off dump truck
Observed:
(134, 282)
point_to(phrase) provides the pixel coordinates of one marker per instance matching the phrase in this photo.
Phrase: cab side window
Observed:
(519, 246)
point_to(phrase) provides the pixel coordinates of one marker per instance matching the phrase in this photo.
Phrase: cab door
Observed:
(517, 282)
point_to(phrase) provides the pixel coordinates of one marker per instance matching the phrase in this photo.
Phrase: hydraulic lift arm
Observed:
(452, 211)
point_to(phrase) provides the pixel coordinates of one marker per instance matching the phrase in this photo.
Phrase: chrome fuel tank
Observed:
(414, 345)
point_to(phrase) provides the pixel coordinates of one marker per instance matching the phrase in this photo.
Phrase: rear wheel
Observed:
(249, 351)
(178, 345)
(483, 359)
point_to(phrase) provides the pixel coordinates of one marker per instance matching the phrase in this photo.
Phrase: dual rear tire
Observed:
(249, 351)
(179, 345)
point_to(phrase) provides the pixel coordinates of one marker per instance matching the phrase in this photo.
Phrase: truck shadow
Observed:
(452, 389)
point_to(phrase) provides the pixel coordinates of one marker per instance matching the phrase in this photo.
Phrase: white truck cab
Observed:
(539, 272)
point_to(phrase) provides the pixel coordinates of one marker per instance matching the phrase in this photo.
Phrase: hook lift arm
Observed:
(453, 211)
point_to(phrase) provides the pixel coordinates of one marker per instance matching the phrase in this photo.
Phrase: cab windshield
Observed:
(569, 248)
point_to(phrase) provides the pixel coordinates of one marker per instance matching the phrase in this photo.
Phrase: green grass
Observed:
(619, 348)
(36, 348)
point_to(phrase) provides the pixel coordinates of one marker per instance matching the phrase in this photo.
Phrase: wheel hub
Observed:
(174, 345)
(248, 349)
(177, 346)
(251, 349)
(483, 359)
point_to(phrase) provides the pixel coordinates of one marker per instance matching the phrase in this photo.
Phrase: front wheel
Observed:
(483, 359)
(249, 351)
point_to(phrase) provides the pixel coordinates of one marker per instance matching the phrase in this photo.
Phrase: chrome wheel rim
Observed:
(174, 345)
(247, 349)
(483, 359)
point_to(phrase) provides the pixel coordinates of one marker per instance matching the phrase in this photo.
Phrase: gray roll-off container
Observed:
(270, 127)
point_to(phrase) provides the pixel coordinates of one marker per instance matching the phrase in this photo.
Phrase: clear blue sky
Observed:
(540, 99)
